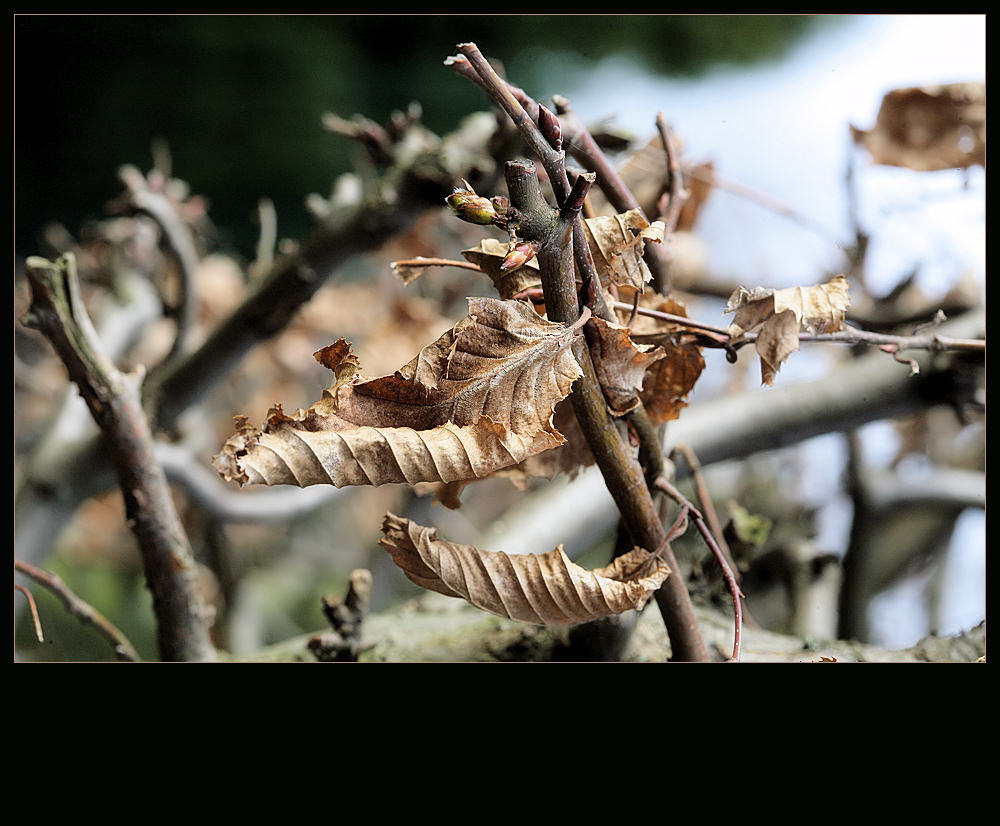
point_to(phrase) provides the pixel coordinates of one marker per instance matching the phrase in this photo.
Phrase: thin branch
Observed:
(933, 342)
(675, 181)
(82, 610)
(553, 161)
(586, 150)
(705, 500)
(34, 609)
(114, 401)
(663, 484)
(683, 321)
(767, 202)
(179, 244)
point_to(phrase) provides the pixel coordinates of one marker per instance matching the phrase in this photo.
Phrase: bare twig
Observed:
(683, 321)
(343, 642)
(177, 239)
(766, 201)
(705, 500)
(663, 484)
(584, 148)
(114, 401)
(553, 161)
(34, 609)
(933, 342)
(267, 216)
(82, 610)
(675, 180)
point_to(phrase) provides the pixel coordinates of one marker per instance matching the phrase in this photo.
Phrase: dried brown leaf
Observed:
(478, 399)
(778, 339)
(616, 242)
(569, 457)
(819, 309)
(670, 380)
(547, 589)
(489, 255)
(620, 363)
(781, 314)
(929, 127)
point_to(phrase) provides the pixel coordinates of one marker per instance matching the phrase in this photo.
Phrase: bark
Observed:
(442, 629)
(114, 402)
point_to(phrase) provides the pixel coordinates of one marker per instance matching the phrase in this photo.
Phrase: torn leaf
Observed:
(620, 364)
(779, 316)
(478, 399)
(616, 242)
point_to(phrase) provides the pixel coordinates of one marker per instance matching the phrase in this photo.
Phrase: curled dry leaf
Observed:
(620, 363)
(489, 256)
(547, 589)
(616, 242)
(929, 127)
(781, 314)
(478, 399)
(670, 380)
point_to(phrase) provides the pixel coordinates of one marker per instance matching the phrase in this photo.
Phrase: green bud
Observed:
(471, 207)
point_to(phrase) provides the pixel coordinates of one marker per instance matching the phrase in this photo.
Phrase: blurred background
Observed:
(235, 104)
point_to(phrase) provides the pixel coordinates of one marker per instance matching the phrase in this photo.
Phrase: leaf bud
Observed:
(469, 206)
(519, 255)
(550, 127)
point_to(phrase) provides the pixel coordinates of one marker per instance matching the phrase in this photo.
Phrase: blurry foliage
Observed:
(238, 99)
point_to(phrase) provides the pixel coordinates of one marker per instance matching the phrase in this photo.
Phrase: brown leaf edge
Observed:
(544, 589)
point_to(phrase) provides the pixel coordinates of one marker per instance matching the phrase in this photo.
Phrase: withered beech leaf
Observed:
(339, 358)
(616, 242)
(670, 380)
(478, 399)
(819, 309)
(777, 340)
(620, 364)
(547, 589)
(570, 457)
(779, 315)
(929, 127)
(489, 255)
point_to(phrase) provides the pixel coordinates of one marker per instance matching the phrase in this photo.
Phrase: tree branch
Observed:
(82, 610)
(622, 473)
(113, 399)
(727, 572)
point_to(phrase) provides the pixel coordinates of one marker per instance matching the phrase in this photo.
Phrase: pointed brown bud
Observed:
(550, 128)
(519, 255)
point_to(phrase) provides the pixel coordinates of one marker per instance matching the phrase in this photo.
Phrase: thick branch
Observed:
(113, 399)
(622, 473)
